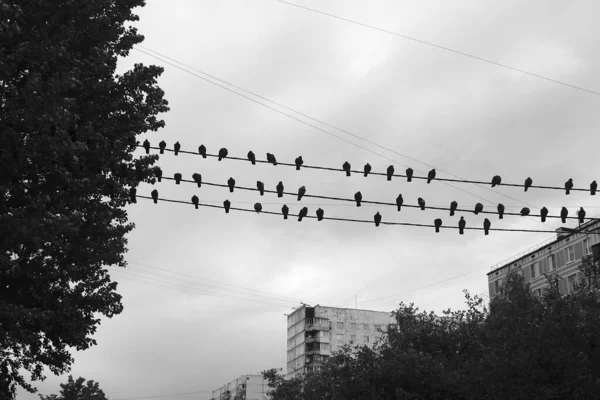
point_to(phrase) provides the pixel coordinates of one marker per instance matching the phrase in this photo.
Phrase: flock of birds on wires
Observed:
(358, 198)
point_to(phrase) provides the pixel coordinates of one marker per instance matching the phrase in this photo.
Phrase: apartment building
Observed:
(561, 255)
(249, 387)
(314, 332)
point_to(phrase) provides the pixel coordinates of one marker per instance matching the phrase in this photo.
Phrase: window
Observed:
(366, 339)
(352, 326)
(497, 285)
(366, 327)
(339, 325)
(339, 337)
(570, 254)
(352, 339)
(571, 281)
(533, 268)
(586, 246)
(339, 347)
(551, 262)
(377, 327)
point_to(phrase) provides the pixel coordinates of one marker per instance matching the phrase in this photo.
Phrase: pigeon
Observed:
(358, 198)
(461, 225)
(500, 211)
(252, 157)
(437, 223)
(158, 173)
(261, 187)
(301, 192)
(303, 213)
(198, 179)
(154, 195)
(279, 189)
(486, 226)
(563, 214)
(431, 176)
(421, 203)
(377, 219)
(271, 159)
(367, 169)
(580, 214)
(528, 183)
(202, 151)
(544, 214)
(525, 212)
(399, 201)
(409, 174)
(299, 161)
(320, 213)
(285, 210)
(346, 167)
(453, 207)
(177, 147)
(132, 193)
(195, 201)
(257, 207)
(162, 145)
(568, 186)
(478, 208)
(227, 204)
(177, 177)
(223, 153)
(231, 184)
(147, 146)
(593, 187)
(496, 180)
(390, 172)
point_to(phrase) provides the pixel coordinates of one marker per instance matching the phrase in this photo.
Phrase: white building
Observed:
(252, 387)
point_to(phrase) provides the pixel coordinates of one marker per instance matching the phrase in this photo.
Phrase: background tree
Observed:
(77, 390)
(68, 127)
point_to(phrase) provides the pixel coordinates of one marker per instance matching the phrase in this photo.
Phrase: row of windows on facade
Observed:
(300, 338)
(572, 281)
(340, 339)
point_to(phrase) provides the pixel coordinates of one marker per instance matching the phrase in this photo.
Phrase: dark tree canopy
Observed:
(68, 128)
(78, 390)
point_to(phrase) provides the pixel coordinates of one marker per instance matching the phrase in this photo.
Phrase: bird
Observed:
(271, 159)
(496, 180)
(252, 157)
(453, 207)
(486, 226)
(257, 207)
(285, 210)
(279, 189)
(528, 183)
(261, 187)
(431, 176)
(390, 172)
(399, 201)
(195, 201)
(377, 219)
(437, 223)
(593, 187)
(421, 203)
(299, 161)
(500, 211)
(132, 193)
(478, 208)
(346, 167)
(563, 214)
(544, 213)
(461, 225)
(231, 183)
(227, 204)
(367, 169)
(177, 177)
(358, 198)
(223, 153)
(197, 178)
(320, 213)
(177, 147)
(303, 213)
(162, 145)
(301, 192)
(409, 174)
(202, 151)
(154, 195)
(147, 146)
(581, 215)
(569, 185)
(525, 212)
(158, 173)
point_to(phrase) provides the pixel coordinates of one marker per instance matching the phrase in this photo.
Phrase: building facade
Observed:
(561, 255)
(249, 387)
(314, 332)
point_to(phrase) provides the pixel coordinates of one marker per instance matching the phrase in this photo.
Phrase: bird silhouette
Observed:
(367, 169)
(177, 147)
(154, 195)
(399, 201)
(528, 183)
(581, 215)
(301, 192)
(421, 203)
(377, 219)
(390, 172)
(478, 208)
(132, 195)
(431, 176)
(177, 177)
(525, 212)
(593, 188)
(158, 173)
(544, 213)
(346, 167)
(257, 207)
(563, 214)
(223, 153)
(500, 211)
(358, 198)
(303, 213)
(568, 186)
(271, 159)
(279, 189)
(285, 210)
(453, 207)
(195, 201)
(461, 225)
(320, 214)
(438, 223)
(261, 187)
(496, 180)
(197, 178)
(202, 151)
(231, 184)
(299, 161)
(147, 146)
(409, 174)
(227, 204)
(486, 226)
(162, 145)
(252, 157)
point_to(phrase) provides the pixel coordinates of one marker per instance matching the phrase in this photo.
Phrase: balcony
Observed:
(318, 351)
(317, 324)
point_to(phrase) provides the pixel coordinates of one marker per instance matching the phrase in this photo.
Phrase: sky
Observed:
(206, 293)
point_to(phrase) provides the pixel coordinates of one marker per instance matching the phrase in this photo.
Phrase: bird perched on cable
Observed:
(195, 201)
(581, 215)
(132, 194)
(279, 188)
(528, 183)
(177, 177)
(453, 207)
(303, 213)
(147, 146)
(569, 185)
(409, 174)
(399, 201)
(154, 195)
(301, 192)
(197, 178)
(285, 211)
(564, 213)
(158, 173)
(252, 157)
(367, 169)
(261, 187)
(486, 226)
(202, 150)
(390, 172)
(431, 176)
(377, 219)
(227, 204)
(478, 208)
(496, 180)
(271, 159)
(223, 153)
(500, 211)
(177, 147)
(346, 167)
(525, 212)
(544, 213)
(299, 161)
(162, 146)
(438, 223)
(231, 184)
(257, 207)
(421, 203)
(320, 214)
(593, 188)
(461, 225)
(358, 198)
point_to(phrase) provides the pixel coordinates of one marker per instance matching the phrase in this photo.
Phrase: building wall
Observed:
(255, 385)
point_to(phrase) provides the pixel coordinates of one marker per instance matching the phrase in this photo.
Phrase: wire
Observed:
(164, 395)
(440, 47)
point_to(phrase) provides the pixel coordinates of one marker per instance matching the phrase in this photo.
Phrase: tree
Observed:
(76, 390)
(68, 127)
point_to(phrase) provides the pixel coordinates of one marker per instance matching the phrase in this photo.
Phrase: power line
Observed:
(164, 395)
(440, 47)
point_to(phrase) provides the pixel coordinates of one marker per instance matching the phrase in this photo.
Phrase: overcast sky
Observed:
(179, 331)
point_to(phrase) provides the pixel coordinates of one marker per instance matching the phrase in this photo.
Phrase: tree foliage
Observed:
(78, 390)
(68, 127)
